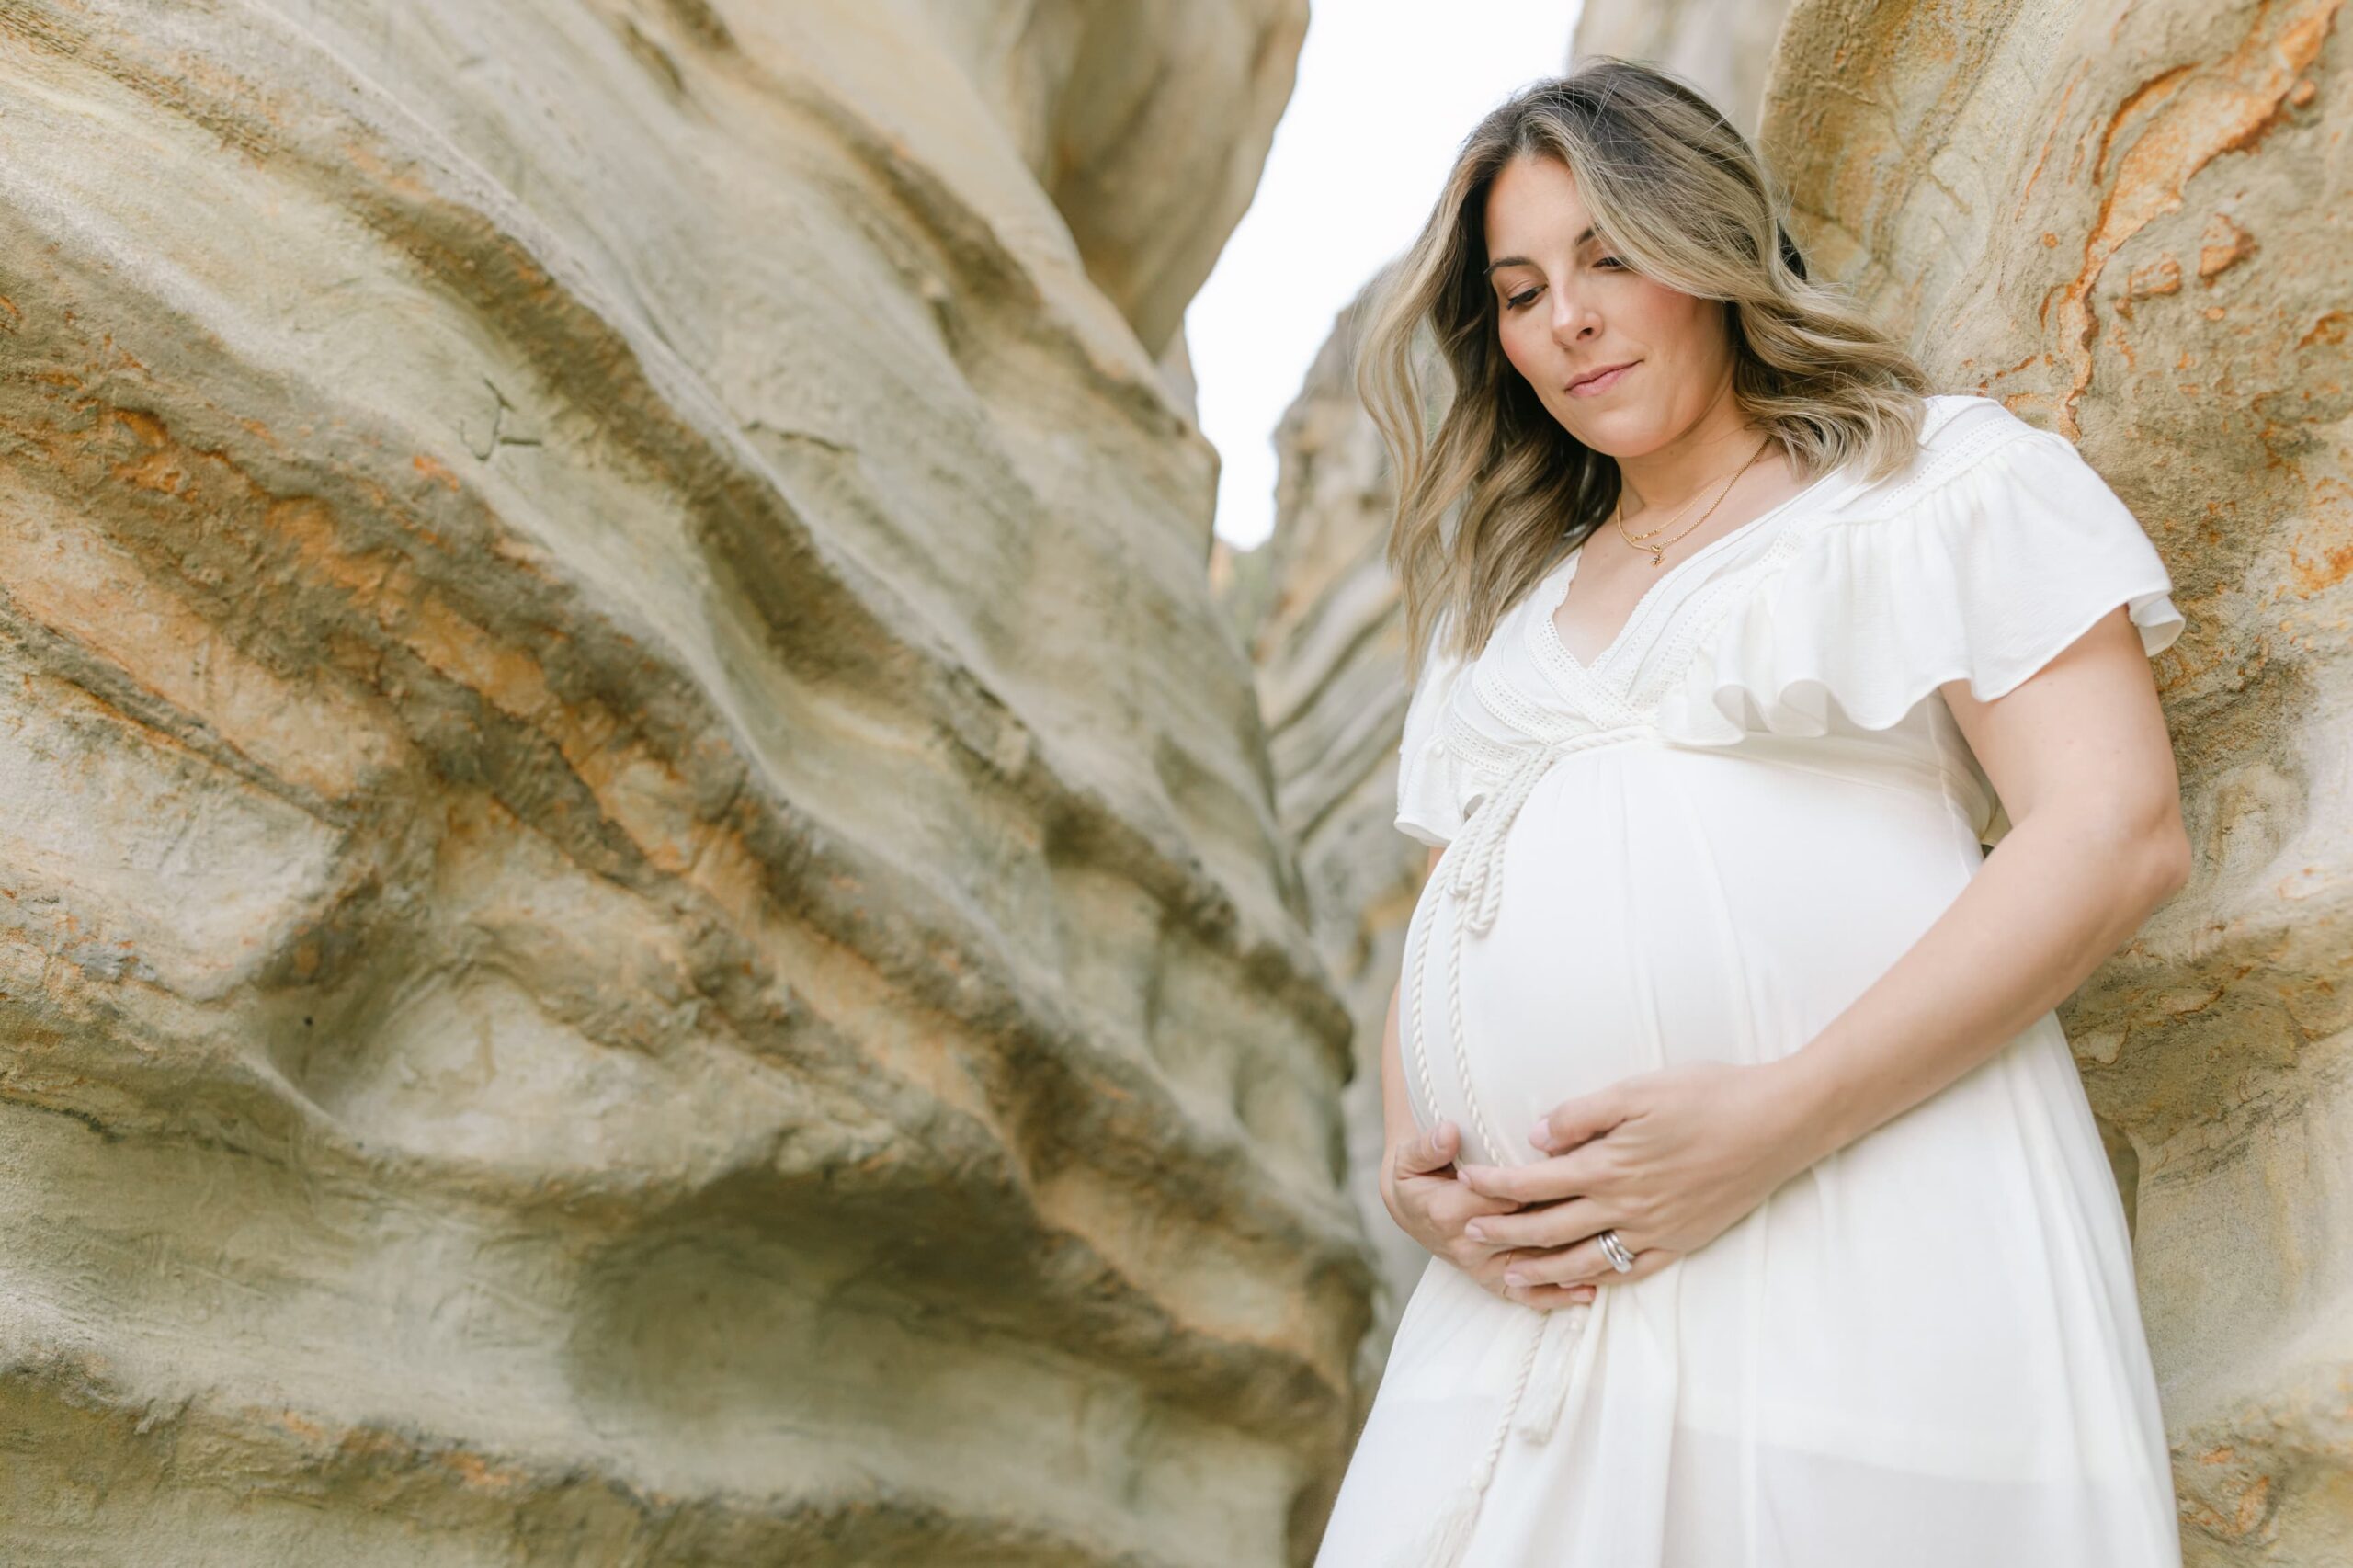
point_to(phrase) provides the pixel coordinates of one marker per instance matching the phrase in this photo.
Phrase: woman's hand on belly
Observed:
(1670, 1159)
(1419, 1187)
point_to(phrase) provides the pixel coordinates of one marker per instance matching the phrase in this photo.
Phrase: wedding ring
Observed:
(1615, 1251)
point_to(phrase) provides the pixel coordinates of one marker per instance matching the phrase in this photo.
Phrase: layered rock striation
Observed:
(641, 918)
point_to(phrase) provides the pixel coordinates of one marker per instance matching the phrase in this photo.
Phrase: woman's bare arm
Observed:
(1396, 1113)
(1672, 1158)
(2080, 755)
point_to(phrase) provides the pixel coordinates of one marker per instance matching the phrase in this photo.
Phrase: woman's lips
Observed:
(1602, 382)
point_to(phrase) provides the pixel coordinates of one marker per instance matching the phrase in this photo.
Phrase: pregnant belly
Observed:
(1660, 907)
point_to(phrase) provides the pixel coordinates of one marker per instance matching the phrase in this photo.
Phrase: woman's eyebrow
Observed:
(1502, 261)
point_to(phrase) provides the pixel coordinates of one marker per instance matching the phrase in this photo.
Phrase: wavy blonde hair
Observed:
(1681, 197)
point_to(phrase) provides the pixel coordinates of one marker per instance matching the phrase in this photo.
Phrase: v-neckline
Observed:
(1559, 596)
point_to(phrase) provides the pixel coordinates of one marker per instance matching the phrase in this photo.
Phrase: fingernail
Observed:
(1475, 1231)
(1542, 1139)
(1515, 1278)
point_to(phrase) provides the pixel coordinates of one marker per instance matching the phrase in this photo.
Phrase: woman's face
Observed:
(1566, 306)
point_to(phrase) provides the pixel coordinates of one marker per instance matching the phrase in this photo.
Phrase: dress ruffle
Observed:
(1981, 561)
(1433, 783)
(1986, 576)
(1427, 791)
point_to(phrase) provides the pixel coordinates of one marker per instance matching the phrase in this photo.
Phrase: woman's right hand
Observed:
(1419, 1190)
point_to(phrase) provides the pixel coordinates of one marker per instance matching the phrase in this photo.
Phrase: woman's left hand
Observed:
(1671, 1159)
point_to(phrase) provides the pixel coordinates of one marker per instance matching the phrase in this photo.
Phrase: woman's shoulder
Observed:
(1957, 432)
(1982, 556)
(1951, 421)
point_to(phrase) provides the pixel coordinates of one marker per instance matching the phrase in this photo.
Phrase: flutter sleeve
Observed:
(1429, 780)
(1984, 572)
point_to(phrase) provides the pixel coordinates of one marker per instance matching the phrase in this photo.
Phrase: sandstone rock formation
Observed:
(2124, 220)
(1720, 46)
(641, 919)
(1144, 121)
(1330, 647)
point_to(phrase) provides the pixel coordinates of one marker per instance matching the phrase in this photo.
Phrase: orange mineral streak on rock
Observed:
(507, 677)
(2255, 1506)
(163, 470)
(2192, 116)
(482, 1476)
(2143, 101)
(2162, 276)
(640, 792)
(2328, 327)
(2050, 141)
(433, 468)
(82, 587)
(302, 1426)
(2321, 570)
(2226, 244)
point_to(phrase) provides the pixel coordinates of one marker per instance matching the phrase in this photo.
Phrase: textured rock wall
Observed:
(641, 919)
(1721, 46)
(1144, 121)
(2124, 219)
(1330, 646)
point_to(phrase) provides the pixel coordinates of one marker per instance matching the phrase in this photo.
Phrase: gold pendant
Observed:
(1658, 556)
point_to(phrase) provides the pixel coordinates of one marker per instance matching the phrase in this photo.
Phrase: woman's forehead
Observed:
(1532, 204)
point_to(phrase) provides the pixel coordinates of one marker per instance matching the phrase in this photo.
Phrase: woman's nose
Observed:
(1572, 319)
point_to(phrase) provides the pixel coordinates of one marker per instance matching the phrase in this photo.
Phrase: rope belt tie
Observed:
(1556, 1363)
(1475, 858)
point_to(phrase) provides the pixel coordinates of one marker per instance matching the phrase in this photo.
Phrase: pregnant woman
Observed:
(1769, 1224)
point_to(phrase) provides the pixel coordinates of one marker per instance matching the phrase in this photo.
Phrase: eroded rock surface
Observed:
(640, 918)
(1329, 641)
(1720, 46)
(2123, 221)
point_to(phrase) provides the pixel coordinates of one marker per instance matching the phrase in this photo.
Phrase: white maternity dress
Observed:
(1924, 1351)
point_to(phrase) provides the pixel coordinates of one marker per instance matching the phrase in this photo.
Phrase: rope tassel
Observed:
(1476, 876)
(1442, 1545)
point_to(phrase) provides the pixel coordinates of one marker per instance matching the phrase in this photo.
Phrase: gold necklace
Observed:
(1658, 552)
(1680, 513)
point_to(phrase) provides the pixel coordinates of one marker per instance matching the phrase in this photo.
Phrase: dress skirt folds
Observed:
(1924, 1349)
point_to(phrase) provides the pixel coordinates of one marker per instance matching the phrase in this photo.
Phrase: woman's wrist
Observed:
(1388, 1173)
(1812, 1107)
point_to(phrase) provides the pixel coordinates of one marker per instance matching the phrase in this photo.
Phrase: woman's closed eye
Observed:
(1514, 301)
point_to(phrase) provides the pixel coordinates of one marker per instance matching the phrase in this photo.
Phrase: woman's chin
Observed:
(1618, 432)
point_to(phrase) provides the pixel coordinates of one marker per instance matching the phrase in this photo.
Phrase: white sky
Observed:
(1387, 89)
